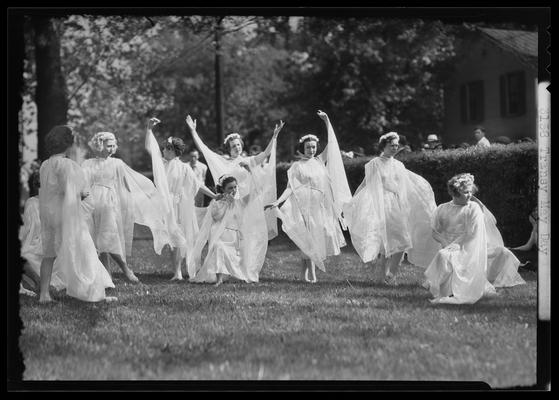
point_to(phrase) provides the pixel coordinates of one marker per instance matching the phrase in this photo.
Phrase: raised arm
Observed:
(192, 125)
(260, 158)
(204, 189)
(323, 156)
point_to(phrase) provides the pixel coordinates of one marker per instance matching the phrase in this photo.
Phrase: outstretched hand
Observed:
(244, 165)
(152, 122)
(323, 116)
(278, 128)
(191, 123)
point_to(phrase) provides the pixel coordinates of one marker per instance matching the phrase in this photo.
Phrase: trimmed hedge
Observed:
(506, 176)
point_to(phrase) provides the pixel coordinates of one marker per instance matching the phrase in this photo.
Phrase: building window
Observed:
(472, 102)
(513, 94)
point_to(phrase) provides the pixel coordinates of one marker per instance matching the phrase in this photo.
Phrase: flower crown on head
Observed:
(389, 135)
(222, 178)
(231, 136)
(462, 180)
(309, 136)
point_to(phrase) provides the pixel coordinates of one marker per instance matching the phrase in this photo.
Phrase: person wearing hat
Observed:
(433, 142)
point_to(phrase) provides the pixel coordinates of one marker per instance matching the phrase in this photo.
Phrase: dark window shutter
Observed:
(503, 90)
(463, 104)
(481, 114)
(522, 97)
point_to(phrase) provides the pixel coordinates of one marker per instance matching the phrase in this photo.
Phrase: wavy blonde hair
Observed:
(96, 142)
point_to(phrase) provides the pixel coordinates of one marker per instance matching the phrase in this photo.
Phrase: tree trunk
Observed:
(218, 83)
(51, 93)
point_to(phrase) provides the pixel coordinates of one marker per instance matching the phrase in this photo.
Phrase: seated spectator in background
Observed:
(529, 262)
(433, 143)
(526, 140)
(503, 140)
(479, 134)
(464, 145)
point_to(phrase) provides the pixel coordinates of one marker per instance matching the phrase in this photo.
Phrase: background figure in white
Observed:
(222, 232)
(481, 140)
(121, 197)
(312, 202)
(179, 185)
(390, 213)
(30, 236)
(471, 263)
(66, 241)
(256, 177)
(200, 169)
(533, 239)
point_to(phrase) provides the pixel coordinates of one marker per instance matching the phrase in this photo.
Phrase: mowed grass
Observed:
(346, 327)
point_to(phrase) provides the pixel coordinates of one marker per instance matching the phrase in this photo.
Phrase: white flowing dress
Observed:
(312, 215)
(308, 215)
(64, 231)
(222, 232)
(30, 238)
(120, 198)
(258, 187)
(391, 212)
(462, 272)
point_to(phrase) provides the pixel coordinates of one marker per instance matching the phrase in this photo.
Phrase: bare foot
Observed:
(219, 282)
(389, 280)
(131, 277)
(177, 278)
(522, 248)
(110, 299)
(27, 292)
(45, 300)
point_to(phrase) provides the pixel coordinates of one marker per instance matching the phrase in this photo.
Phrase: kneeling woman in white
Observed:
(222, 229)
(462, 270)
(312, 201)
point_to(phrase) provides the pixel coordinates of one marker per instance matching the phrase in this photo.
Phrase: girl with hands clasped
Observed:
(222, 229)
(312, 202)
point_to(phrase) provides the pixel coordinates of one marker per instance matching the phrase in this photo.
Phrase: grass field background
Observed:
(348, 326)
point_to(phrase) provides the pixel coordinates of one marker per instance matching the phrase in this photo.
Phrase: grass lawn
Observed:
(347, 326)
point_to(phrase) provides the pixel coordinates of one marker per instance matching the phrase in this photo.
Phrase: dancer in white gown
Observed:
(255, 175)
(473, 260)
(316, 190)
(390, 213)
(222, 231)
(30, 236)
(179, 186)
(120, 198)
(66, 242)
